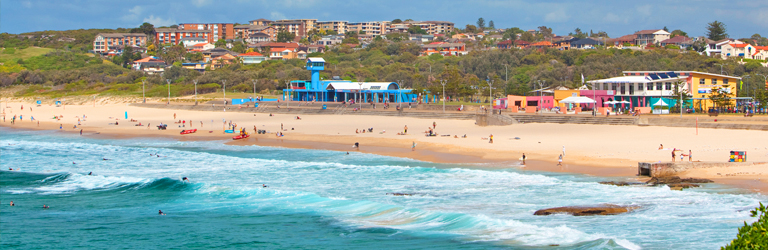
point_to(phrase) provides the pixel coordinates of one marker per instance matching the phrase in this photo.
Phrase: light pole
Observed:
(254, 91)
(143, 95)
(490, 93)
(195, 92)
(680, 91)
(287, 94)
(721, 67)
(442, 82)
(360, 94)
(541, 96)
(169, 91)
(224, 84)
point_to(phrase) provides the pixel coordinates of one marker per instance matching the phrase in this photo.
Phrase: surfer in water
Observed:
(90, 173)
(185, 179)
(263, 185)
(45, 206)
(160, 212)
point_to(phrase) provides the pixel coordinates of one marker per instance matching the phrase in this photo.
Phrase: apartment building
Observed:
(248, 31)
(370, 28)
(646, 37)
(299, 27)
(104, 42)
(174, 36)
(261, 22)
(339, 26)
(218, 30)
(431, 27)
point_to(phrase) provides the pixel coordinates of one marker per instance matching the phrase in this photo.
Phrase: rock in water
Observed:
(675, 180)
(608, 209)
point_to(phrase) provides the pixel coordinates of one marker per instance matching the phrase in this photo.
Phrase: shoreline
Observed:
(466, 151)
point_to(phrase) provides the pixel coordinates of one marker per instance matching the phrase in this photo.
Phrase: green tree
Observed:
(678, 33)
(396, 21)
(528, 37)
(719, 97)
(577, 33)
(220, 43)
(481, 23)
(239, 47)
(665, 29)
(146, 28)
(491, 25)
(545, 32)
(194, 57)
(397, 37)
(470, 29)
(414, 29)
(716, 31)
(754, 236)
(285, 36)
(680, 95)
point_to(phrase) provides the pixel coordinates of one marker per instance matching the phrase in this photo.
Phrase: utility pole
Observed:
(506, 74)
(490, 93)
(287, 94)
(224, 83)
(169, 91)
(195, 92)
(541, 96)
(442, 82)
(254, 91)
(361, 94)
(143, 95)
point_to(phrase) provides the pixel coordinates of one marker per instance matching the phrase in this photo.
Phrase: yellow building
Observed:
(698, 84)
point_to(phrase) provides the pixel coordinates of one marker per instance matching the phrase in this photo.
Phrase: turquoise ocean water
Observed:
(320, 199)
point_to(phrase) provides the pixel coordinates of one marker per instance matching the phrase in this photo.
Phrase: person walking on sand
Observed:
(174, 116)
(523, 158)
(405, 130)
(434, 125)
(560, 160)
(673, 155)
(81, 131)
(689, 156)
(413, 147)
(563, 150)
(490, 138)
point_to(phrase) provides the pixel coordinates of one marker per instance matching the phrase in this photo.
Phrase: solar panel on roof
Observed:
(663, 76)
(653, 76)
(672, 74)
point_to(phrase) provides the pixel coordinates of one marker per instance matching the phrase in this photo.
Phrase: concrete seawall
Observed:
(665, 169)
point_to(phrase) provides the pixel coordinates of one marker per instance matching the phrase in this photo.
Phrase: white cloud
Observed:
(613, 18)
(645, 10)
(135, 12)
(158, 21)
(557, 16)
(276, 15)
(201, 3)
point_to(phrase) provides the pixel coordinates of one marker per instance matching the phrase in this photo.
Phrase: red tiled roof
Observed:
(741, 45)
(505, 42)
(251, 54)
(283, 45)
(626, 38)
(148, 59)
(542, 43)
(676, 39)
(761, 47)
(521, 42)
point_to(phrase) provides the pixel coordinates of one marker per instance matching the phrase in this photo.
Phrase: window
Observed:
(714, 81)
(658, 86)
(725, 81)
(668, 86)
(639, 86)
(649, 86)
(701, 81)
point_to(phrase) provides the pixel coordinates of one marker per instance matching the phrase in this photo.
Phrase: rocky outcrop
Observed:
(400, 194)
(621, 183)
(608, 209)
(675, 180)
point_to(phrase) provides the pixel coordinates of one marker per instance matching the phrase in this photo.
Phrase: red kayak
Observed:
(240, 137)
(184, 132)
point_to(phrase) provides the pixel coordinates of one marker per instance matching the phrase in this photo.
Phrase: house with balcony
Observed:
(742, 50)
(149, 65)
(680, 41)
(282, 54)
(223, 60)
(256, 33)
(622, 41)
(761, 54)
(443, 48)
(200, 47)
(252, 58)
(330, 40)
(105, 42)
(715, 48)
(648, 37)
(586, 43)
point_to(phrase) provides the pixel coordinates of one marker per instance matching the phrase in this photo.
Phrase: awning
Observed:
(577, 99)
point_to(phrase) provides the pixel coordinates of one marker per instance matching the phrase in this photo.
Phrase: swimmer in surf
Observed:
(263, 185)
(45, 206)
(184, 179)
(90, 173)
(160, 212)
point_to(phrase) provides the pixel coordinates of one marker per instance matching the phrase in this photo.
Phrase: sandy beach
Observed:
(600, 150)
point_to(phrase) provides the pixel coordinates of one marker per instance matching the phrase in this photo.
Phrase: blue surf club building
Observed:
(342, 90)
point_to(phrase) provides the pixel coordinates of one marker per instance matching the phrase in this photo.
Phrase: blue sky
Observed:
(743, 18)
